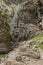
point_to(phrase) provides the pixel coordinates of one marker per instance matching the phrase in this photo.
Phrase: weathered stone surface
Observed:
(41, 1)
(26, 49)
(23, 55)
(24, 32)
(5, 38)
(25, 21)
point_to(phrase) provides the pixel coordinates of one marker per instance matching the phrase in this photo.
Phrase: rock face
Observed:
(26, 48)
(41, 2)
(21, 1)
(25, 21)
(18, 1)
(5, 38)
(24, 32)
(27, 53)
(23, 55)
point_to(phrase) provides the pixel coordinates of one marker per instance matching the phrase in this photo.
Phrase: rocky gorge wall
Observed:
(26, 23)
(23, 19)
